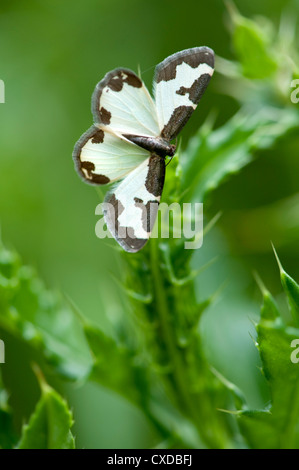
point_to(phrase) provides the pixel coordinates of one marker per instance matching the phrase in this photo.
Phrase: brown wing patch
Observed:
(133, 80)
(166, 70)
(176, 122)
(87, 168)
(149, 214)
(116, 82)
(98, 137)
(196, 90)
(113, 81)
(105, 116)
(156, 174)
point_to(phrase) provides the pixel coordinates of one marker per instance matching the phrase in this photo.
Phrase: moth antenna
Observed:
(169, 161)
(176, 143)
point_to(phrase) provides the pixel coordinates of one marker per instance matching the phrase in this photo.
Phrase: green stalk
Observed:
(166, 327)
(180, 372)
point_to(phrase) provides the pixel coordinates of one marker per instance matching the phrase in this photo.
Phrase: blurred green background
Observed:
(52, 54)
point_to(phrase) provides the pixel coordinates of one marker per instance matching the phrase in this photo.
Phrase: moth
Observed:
(131, 137)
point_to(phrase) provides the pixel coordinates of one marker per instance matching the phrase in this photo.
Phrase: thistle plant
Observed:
(156, 357)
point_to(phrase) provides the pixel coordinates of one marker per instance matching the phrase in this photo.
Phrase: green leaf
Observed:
(50, 424)
(291, 290)
(213, 155)
(258, 430)
(278, 426)
(252, 45)
(114, 365)
(40, 317)
(269, 309)
(7, 434)
(127, 372)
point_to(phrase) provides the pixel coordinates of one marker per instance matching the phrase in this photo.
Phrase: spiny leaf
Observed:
(50, 424)
(252, 45)
(211, 157)
(291, 290)
(40, 317)
(238, 395)
(114, 365)
(269, 309)
(276, 427)
(8, 437)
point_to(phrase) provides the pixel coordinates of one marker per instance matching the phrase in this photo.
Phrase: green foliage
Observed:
(226, 150)
(124, 378)
(39, 317)
(49, 426)
(7, 435)
(277, 426)
(155, 356)
(253, 44)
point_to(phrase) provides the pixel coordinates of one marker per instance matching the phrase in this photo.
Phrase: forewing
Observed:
(131, 210)
(122, 102)
(179, 82)
(102, 157)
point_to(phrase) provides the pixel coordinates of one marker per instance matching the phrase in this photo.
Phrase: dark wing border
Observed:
(96, 179)
(193, 56)
(166, 71)
(154, 184)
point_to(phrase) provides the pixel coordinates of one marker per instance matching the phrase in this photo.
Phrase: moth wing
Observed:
(102, 157)
(131, 209)
(122, 102)
(179, 82)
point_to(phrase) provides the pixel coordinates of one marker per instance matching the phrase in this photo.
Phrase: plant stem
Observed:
(180, 372)
(164, 315)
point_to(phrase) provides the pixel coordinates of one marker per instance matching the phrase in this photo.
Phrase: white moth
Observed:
(131, 137)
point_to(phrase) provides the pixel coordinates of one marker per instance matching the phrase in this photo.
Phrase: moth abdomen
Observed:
(155, 145)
